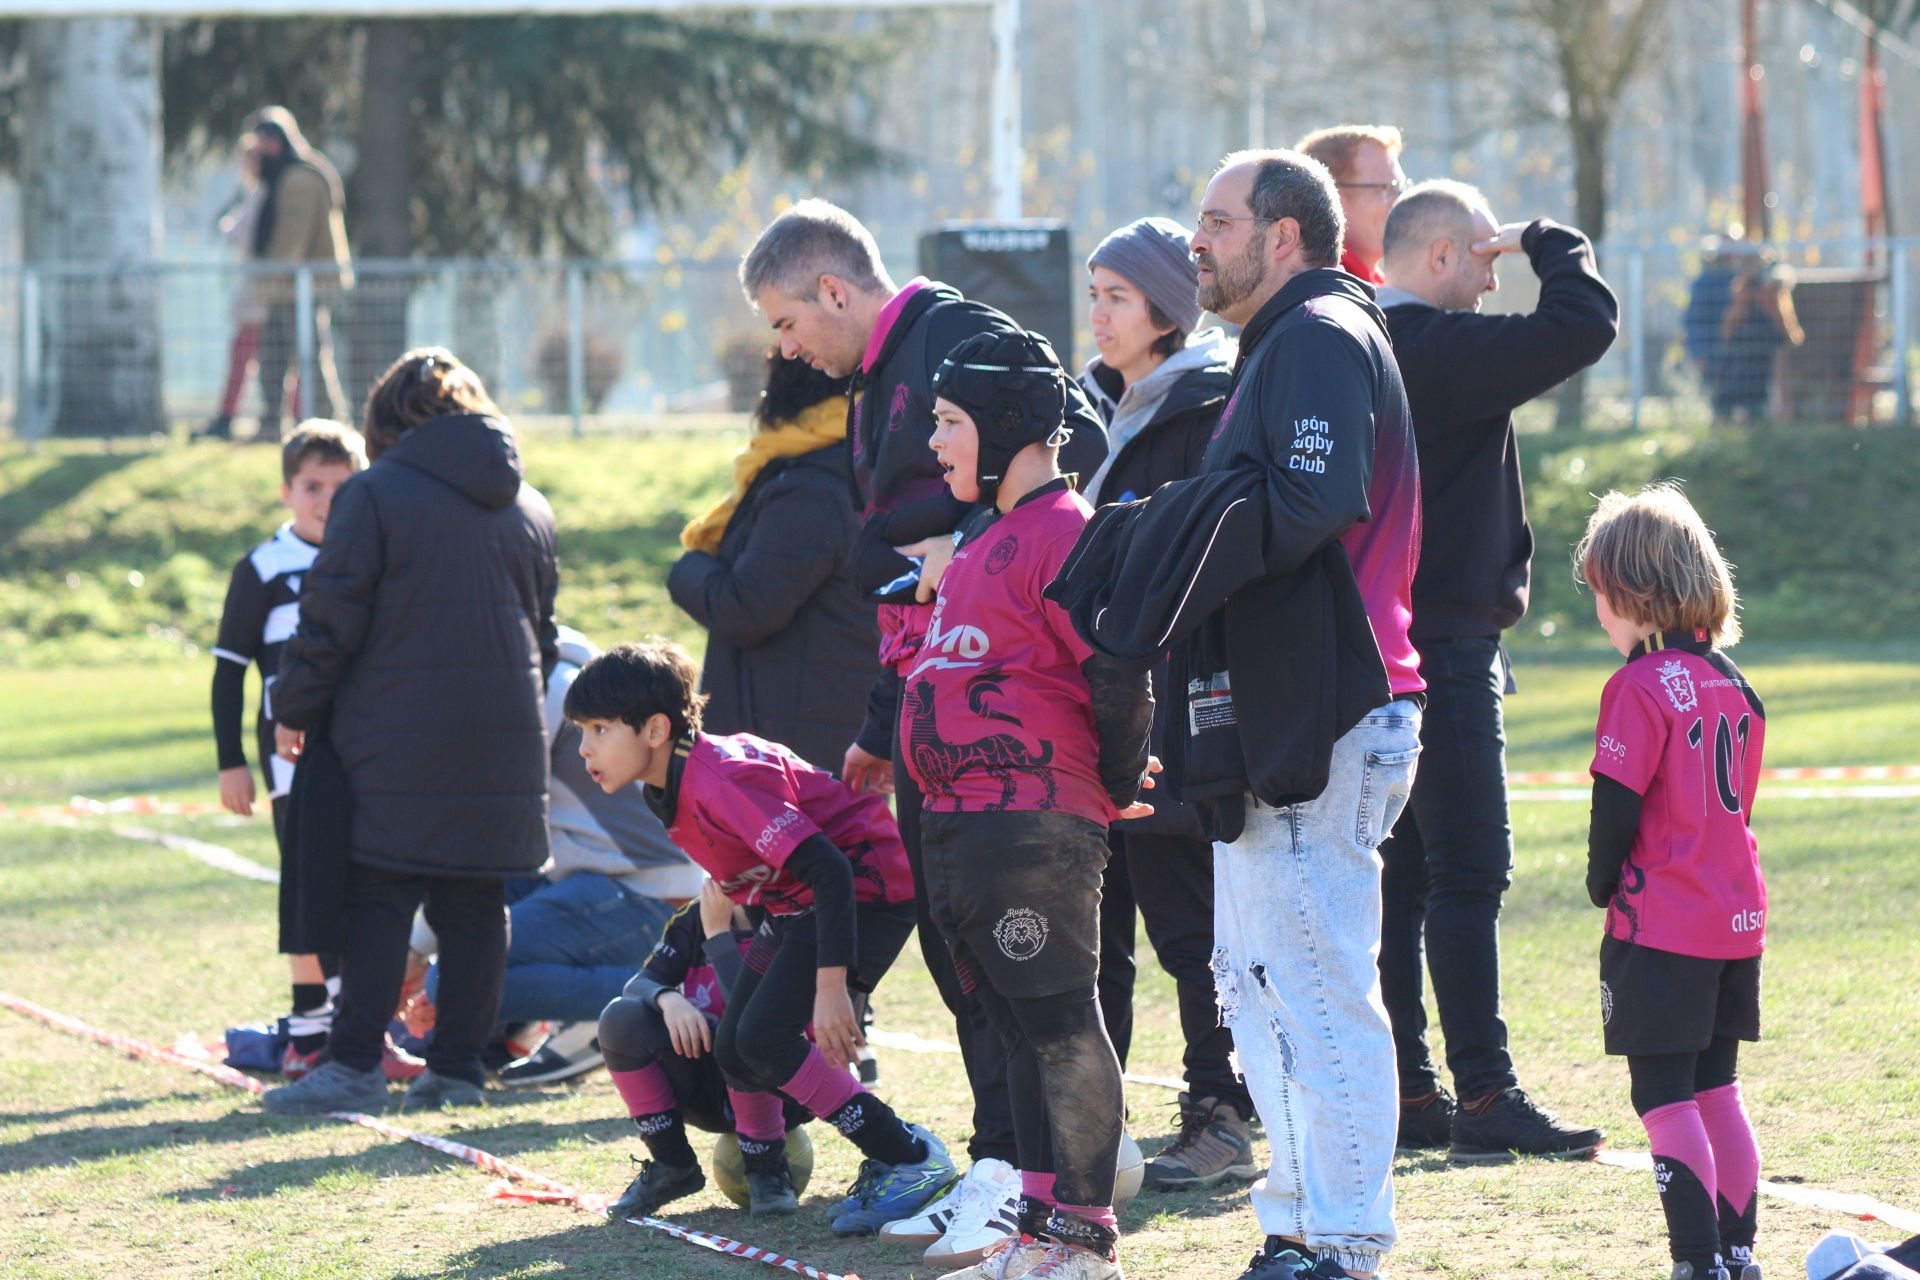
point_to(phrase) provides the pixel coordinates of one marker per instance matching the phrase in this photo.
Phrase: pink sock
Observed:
(1675, 1130)
(819, 1086)
(1100, 1213)
(758, 1116)
(1736, 1155)
(1037, 1186)
(646, 1092)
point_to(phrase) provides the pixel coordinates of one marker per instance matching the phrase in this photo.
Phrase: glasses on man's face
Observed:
(1395, 187)
(1214, 223)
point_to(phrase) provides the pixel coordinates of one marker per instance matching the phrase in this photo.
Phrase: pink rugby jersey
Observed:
(1682, 727)
(994, 713)
(745, 804)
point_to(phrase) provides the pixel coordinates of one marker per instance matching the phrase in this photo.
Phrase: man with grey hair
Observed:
(1314, 776)
(1450, 857)
(816, 276)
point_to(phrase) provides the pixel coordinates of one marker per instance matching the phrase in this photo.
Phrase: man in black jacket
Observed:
(815, 274)
(1316, 425)
(1451, 855)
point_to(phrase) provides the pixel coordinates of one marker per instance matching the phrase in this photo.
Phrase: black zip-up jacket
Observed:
(426, 636)
(897, 484)
(1168, 448)
(1268, 668)
(1465, 374)
(790, 638)
(1315, 388)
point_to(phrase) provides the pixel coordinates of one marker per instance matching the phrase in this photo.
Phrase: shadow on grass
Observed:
(102, 1107)
(261, 1179)
(54, 487)
(81, 1146)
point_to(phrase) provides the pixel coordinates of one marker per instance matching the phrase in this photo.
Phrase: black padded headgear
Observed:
(1012, 386)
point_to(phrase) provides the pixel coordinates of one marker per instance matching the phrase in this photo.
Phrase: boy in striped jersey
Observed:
(262, 612)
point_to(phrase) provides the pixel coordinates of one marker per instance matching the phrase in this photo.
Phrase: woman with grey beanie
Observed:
(1161, 388)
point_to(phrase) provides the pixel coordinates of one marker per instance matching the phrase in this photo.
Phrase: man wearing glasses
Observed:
(1365, 162)
(1318, 413)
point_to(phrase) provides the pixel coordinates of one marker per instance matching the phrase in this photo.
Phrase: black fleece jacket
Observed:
(897, 483)
(1465, 374)
(426, 636)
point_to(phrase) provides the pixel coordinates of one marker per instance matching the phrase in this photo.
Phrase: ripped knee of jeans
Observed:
(1226, 987)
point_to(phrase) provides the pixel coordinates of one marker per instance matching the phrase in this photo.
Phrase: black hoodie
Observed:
(1465, 374)
(426, 635)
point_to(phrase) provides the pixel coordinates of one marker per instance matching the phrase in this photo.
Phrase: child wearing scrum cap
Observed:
(1026, 748)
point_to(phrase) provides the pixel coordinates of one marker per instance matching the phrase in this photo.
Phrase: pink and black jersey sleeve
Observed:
(757, 802)
(1631, 734)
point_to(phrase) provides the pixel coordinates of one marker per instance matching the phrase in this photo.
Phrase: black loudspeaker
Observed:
(1024, 268)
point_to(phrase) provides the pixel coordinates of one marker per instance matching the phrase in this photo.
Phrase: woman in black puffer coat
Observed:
(425, 639)
(791, 642)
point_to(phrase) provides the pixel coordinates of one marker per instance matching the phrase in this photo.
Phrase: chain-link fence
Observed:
(1810, 332)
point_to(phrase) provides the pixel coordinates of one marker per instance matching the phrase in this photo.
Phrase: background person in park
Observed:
(236, 225)
(1672, 857)
(261, 614)
(301, 221)
(816, 276)
(768, 572)
(425, 641)
(1161, 387)
(1450, 858)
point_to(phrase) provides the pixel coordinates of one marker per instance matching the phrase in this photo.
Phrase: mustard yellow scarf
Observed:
(817, 427)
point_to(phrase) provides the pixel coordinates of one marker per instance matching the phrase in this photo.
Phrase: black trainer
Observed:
(770, 1192)
(1279, 1259)
(1687, 1271)
(657, 1185)
(1517, 1125)
(1427, 1125)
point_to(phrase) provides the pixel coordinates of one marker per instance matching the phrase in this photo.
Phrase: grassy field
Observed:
(111, 1167)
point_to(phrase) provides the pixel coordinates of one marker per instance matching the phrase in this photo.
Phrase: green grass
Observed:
(111, 1167)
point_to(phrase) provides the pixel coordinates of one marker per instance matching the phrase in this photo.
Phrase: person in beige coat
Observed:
(300, 221)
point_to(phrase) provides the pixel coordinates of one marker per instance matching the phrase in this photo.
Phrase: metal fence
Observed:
(1806, 332)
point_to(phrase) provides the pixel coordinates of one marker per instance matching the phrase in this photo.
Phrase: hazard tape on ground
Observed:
(125, 806)
(1584, 794)
(1833, 773)
(520, 1183)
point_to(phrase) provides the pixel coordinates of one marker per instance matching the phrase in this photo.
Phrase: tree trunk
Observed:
(380, 201)
(91, 195)
(1588, 127)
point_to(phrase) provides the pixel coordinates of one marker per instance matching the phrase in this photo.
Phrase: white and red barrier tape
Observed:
(1834, 773)
(518, 1183)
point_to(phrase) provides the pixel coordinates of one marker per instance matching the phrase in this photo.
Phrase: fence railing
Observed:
(1814, 331)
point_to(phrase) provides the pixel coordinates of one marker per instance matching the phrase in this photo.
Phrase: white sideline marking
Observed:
(216, 856)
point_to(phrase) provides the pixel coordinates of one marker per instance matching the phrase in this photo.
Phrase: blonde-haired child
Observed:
(1672, 858)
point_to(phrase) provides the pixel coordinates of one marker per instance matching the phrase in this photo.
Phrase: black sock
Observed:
(762, 1154)
(1737, 1232)
(1693, 1228)
(1033, 1216)
(1071, 1228)
(872, 1126)
(665, 1133)
(312, 1016)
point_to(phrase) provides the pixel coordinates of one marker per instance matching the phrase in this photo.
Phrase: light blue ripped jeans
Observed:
(1296, 921)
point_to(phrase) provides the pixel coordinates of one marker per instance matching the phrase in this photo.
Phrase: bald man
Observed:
(1450, 857)
(1364, 160)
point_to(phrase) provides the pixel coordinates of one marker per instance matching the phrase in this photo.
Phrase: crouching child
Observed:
(828, 867)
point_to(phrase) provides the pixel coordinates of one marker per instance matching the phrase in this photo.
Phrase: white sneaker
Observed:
(1008, 1258)
(985, 1212)
(1070, 1262)
(930, 1225)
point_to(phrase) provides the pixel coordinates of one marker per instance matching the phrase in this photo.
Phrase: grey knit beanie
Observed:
(1153, 254)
